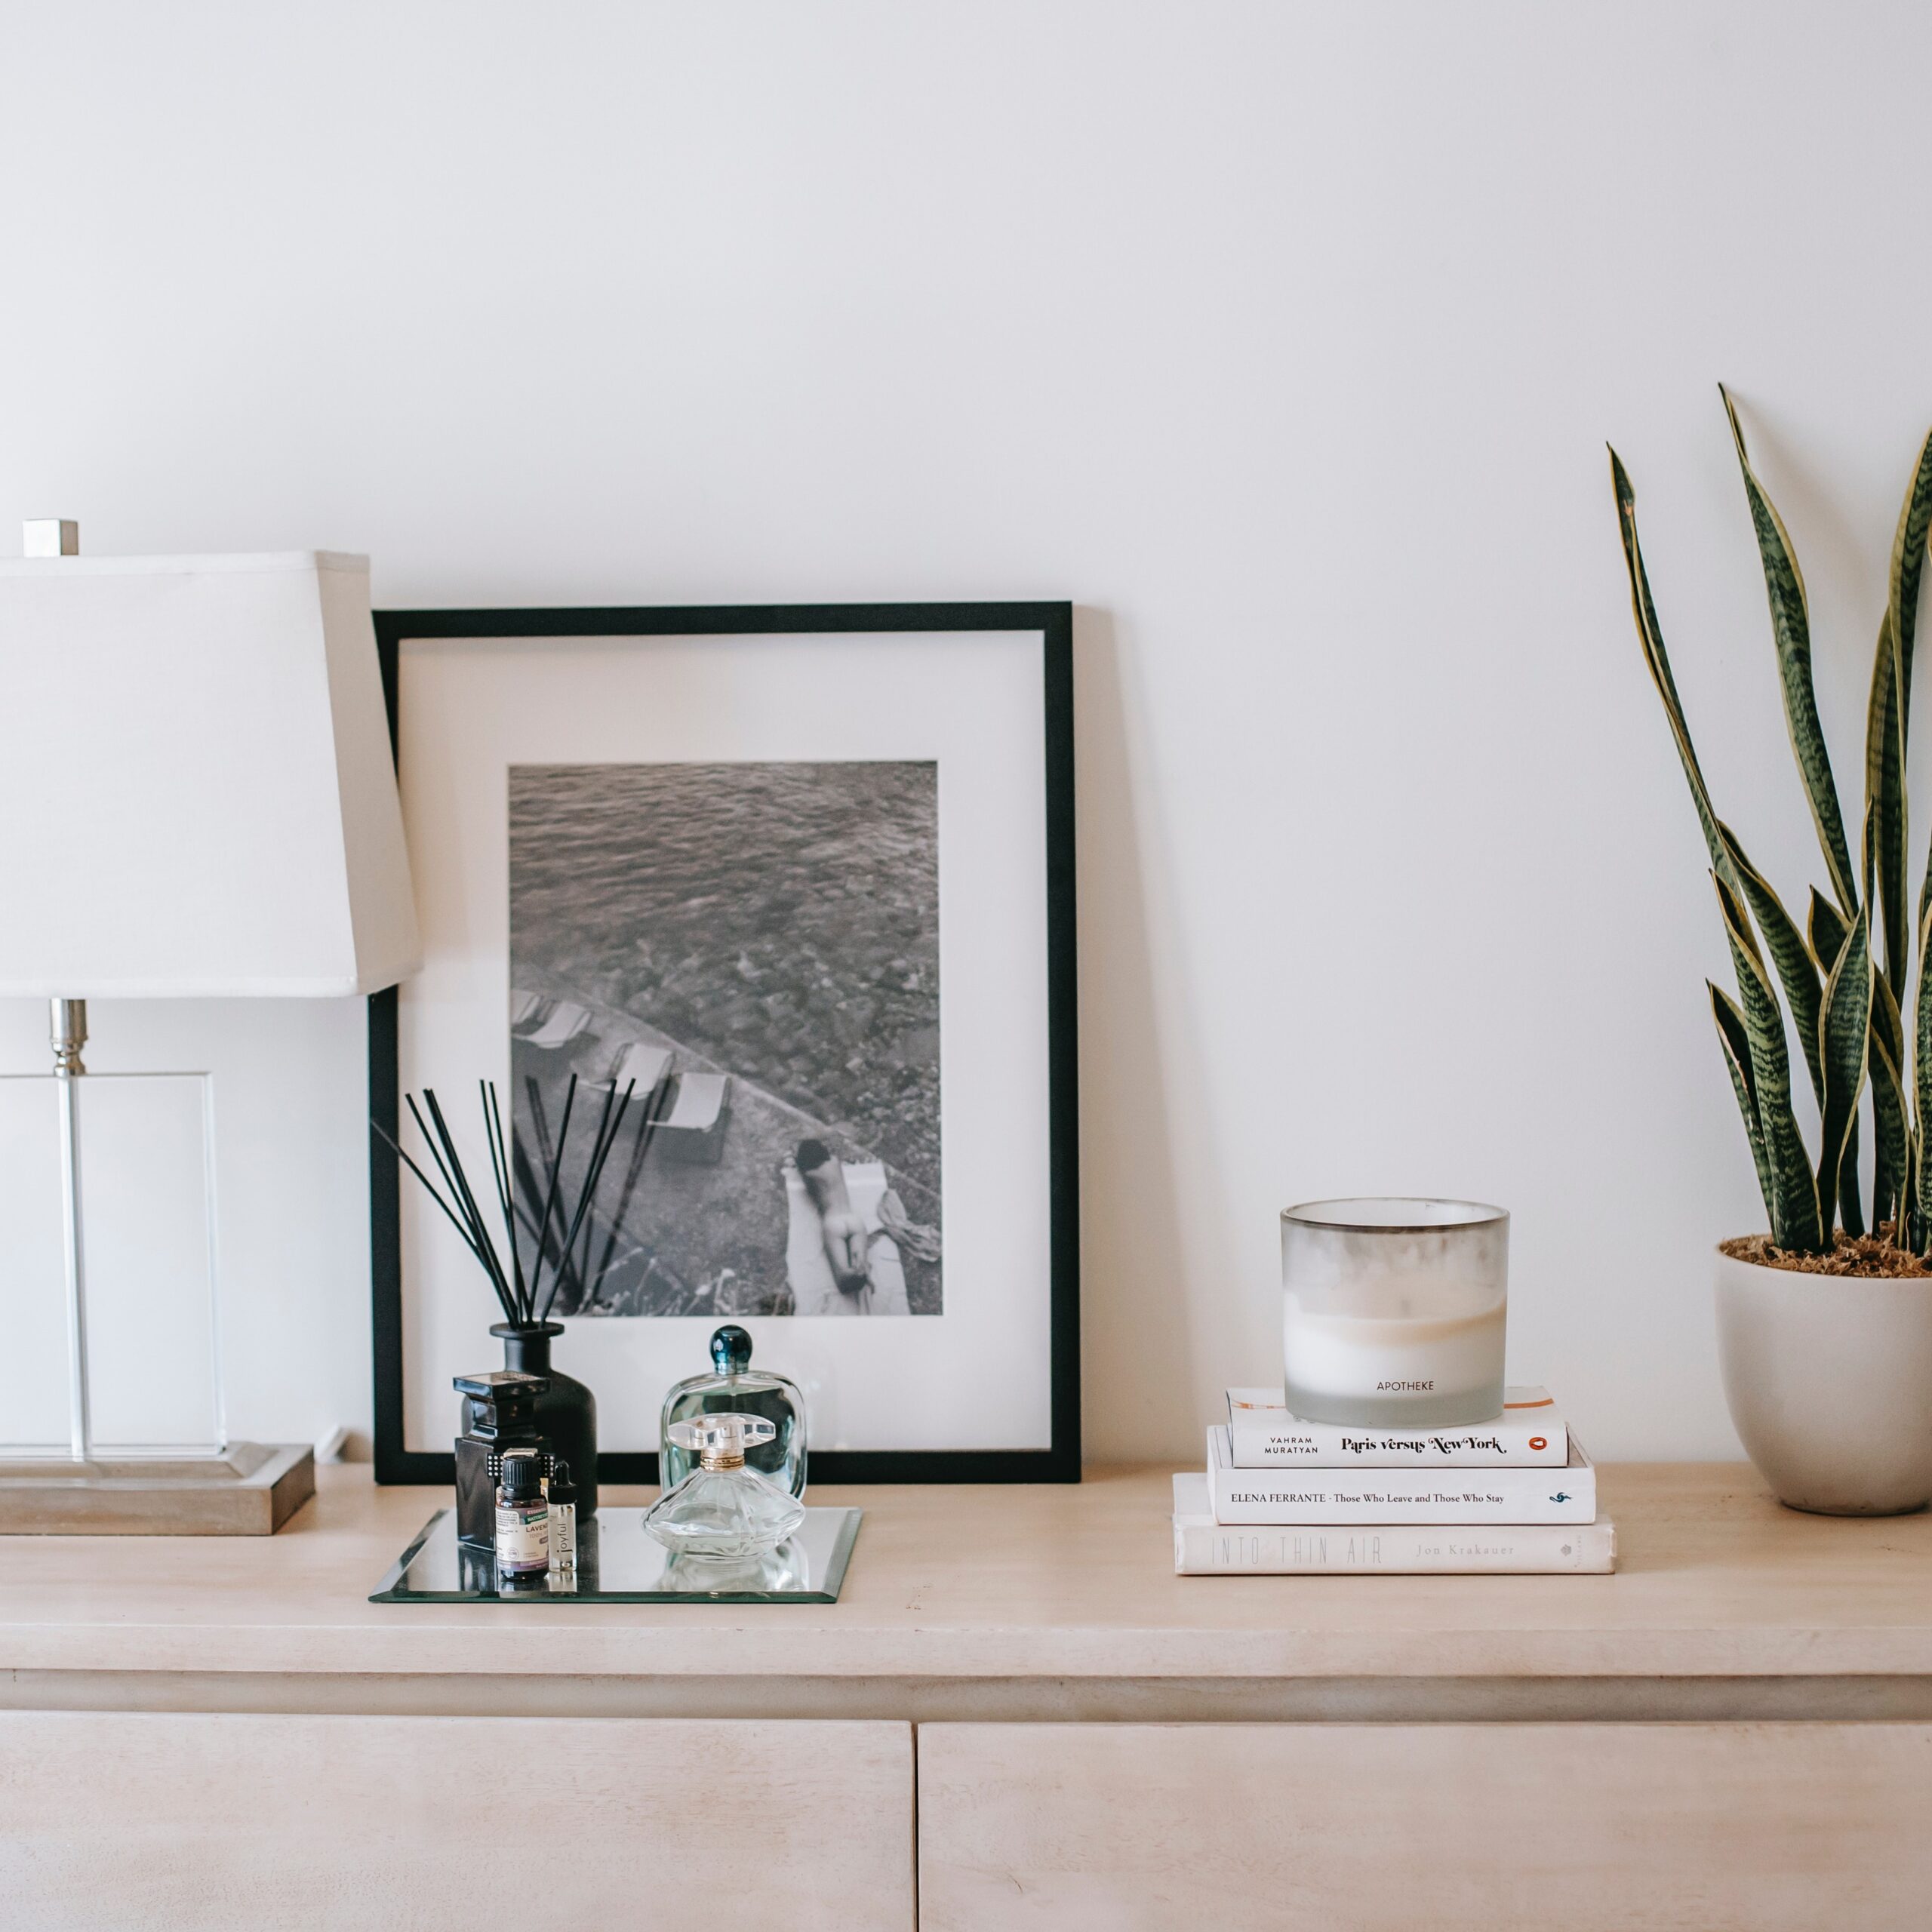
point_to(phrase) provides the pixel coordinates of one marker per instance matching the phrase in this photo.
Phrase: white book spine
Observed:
(1202, 1548)
(1529, 1434)
(1350, 1497)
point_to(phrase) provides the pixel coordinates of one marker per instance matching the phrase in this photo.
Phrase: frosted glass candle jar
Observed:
(1393, 1312)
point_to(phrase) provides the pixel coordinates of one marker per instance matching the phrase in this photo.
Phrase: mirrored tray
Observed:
(618, 1562)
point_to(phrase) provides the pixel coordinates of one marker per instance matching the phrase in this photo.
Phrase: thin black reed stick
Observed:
(532, 1172)
(488, 1246)
(608, 1130)
(459, 1193)
(436, 1154)
(530, 1180)
(506, 1148)
(455, 1220)
(429, 1187)
(599, 1152)
(550, 1198)
(530, 1175)
(521, 1292)
(500, 1173)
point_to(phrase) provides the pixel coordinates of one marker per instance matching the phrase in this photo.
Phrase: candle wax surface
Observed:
(1390, 1352)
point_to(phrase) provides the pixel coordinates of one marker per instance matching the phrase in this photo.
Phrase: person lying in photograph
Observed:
(841, 1250)
(847, 1247)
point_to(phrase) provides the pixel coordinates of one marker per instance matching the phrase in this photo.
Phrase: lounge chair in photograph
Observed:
(527, 1012)
(640, 1061)
(694, 1127)
(563, 1025)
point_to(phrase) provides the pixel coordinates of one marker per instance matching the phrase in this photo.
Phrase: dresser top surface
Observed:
(1716, 1580)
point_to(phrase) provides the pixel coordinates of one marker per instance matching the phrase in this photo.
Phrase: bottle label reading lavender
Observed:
(523, 1537)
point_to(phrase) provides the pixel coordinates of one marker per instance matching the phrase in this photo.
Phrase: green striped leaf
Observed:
(1845, 1034)
(1658, 659)
(1918, 1226)
(1851, 1209)
(1791, 628)
(1907, 565)
(1888, 1116)
(1890, 1149)
(1885, 805)
(1798, 972)
(1795, 1220)
(1908, 544)
(1737, 1045)
(1826, 928)
(1921, 1228)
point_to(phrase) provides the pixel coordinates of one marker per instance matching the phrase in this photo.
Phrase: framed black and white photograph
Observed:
(799, 881)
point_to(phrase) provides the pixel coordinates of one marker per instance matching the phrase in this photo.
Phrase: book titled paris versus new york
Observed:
(1392, 1495)
(1529, 1434)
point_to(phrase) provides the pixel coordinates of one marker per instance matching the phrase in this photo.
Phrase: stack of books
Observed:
(1285, 1497)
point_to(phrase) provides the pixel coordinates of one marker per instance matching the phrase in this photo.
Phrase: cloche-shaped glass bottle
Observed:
(722, 1508)
(735, 1385)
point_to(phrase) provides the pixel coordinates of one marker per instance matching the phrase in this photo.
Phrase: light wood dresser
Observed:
(1018, 1717)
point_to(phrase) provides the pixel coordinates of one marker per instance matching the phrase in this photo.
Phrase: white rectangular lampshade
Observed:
(197, 794)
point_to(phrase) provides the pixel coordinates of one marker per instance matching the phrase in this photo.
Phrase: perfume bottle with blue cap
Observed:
(735, 1386)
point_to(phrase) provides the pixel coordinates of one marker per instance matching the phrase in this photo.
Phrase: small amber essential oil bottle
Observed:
(523, 1525)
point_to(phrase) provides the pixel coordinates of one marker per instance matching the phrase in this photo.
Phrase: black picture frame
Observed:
(1059, 1462)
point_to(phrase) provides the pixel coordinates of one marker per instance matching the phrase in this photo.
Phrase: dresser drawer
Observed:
(1394, 1828)
(281, 1824)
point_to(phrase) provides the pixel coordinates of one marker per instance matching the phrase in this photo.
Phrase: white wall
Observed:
(1284, 338)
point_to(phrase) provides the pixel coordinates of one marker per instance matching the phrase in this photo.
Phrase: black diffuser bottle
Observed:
(566, 1412)
(538, 1204)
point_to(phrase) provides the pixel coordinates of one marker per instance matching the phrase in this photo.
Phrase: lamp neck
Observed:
(67, 1028)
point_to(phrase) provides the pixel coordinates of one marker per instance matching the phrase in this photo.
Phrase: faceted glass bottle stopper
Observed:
(722, 1508)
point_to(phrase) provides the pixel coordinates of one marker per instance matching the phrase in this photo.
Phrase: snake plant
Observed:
(1841, 981)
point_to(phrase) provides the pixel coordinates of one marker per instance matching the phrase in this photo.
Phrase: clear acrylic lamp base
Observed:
(113, 1420)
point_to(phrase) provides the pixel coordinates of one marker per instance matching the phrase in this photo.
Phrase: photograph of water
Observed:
(755, 945)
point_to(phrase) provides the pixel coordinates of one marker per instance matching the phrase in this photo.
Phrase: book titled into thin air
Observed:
(1567, 1495)
(1529, 1434)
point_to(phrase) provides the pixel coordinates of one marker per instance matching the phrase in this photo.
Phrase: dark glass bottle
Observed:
(562, 1494)
(499, 1416)
(566, 1416)
(523, 1515)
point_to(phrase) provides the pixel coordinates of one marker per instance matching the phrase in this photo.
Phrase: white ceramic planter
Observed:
(1829, 1381)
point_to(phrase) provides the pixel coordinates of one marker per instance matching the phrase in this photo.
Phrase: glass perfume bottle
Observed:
(786, 1569)
(723, 1508)
(735, 1385)
(561, 1493)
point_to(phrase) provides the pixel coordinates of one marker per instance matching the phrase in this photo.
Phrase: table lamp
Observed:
(199, 792)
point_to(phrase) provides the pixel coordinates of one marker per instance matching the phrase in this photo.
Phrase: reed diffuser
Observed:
(535, 1205)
